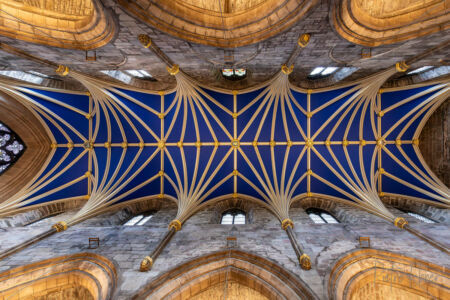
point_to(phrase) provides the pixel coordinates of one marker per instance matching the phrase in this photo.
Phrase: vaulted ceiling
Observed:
(342, 35)
(192, 136)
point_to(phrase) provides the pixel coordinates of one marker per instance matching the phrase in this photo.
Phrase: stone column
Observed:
(147, 262)
(303, 258)
(403, 224)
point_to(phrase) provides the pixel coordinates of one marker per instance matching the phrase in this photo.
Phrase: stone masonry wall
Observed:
(200, 235)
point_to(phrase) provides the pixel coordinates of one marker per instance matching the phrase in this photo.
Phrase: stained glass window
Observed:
(319, 216)
(11, 147)
(234, 216)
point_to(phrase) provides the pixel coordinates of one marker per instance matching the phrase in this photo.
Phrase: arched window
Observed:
(322, 71)
(234, 74)
(233, 216)
(419, 217)
(320, 216)
(11, 147)
(140, 220)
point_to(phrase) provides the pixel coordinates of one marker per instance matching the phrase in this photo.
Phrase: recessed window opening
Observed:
(234, 74)
(322, 71)
(128, 75)
(119, 75)
(233, 217)
(40, 74)
(141, 74)
(29, 77)
(320, 216)
(139, 220)
(420, 217)
(419, 70)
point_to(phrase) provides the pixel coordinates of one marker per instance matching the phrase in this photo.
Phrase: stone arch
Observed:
(120, 213)
(78, 24)
(220, 207)
(251, 271)
(382, 22)
(343, 213)
(237, 24)
(382, 275)
(31, 215)
(23, 122)
(79, 276)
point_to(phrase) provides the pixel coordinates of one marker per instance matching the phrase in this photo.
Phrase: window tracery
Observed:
(233, 217)
(11, 147)
(320, 216)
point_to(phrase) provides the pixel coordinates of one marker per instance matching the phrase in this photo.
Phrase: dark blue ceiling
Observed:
(270, 152)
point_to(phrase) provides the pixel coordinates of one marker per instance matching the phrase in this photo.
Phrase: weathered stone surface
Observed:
(127, 245)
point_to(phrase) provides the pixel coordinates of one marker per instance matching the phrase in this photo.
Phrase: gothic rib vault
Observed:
(194, 145)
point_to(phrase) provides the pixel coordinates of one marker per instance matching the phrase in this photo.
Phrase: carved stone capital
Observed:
(146, 264)
(60, 226)
(400, 222)
(305, 261)
(176, 224)
(287, 223)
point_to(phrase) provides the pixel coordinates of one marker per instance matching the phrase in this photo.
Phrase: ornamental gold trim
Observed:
(303, 40)
(62, 70)
(145, 40)
(287, 223)
(305, 261)
(173, 70)
(175, 224)
(235, 143)
(401, 66)
(287, 70)
(60, 226)
(146, 264)
(400, 222)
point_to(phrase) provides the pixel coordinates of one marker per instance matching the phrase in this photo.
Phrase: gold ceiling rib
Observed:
(190, 195)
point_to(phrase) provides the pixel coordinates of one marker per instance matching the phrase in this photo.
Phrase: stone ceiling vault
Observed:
(74, 24)
(227, 23)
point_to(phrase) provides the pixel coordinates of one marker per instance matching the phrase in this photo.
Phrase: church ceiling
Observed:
(226, 24)
(262, 59)
(378, 22)
(274, 144)
(73, 24)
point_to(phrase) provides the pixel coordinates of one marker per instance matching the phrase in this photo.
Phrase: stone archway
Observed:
(382, 275)
(73, 24)
(239, 274)
(80, 276)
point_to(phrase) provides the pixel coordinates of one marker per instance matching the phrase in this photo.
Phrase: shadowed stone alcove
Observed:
(84, 276)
